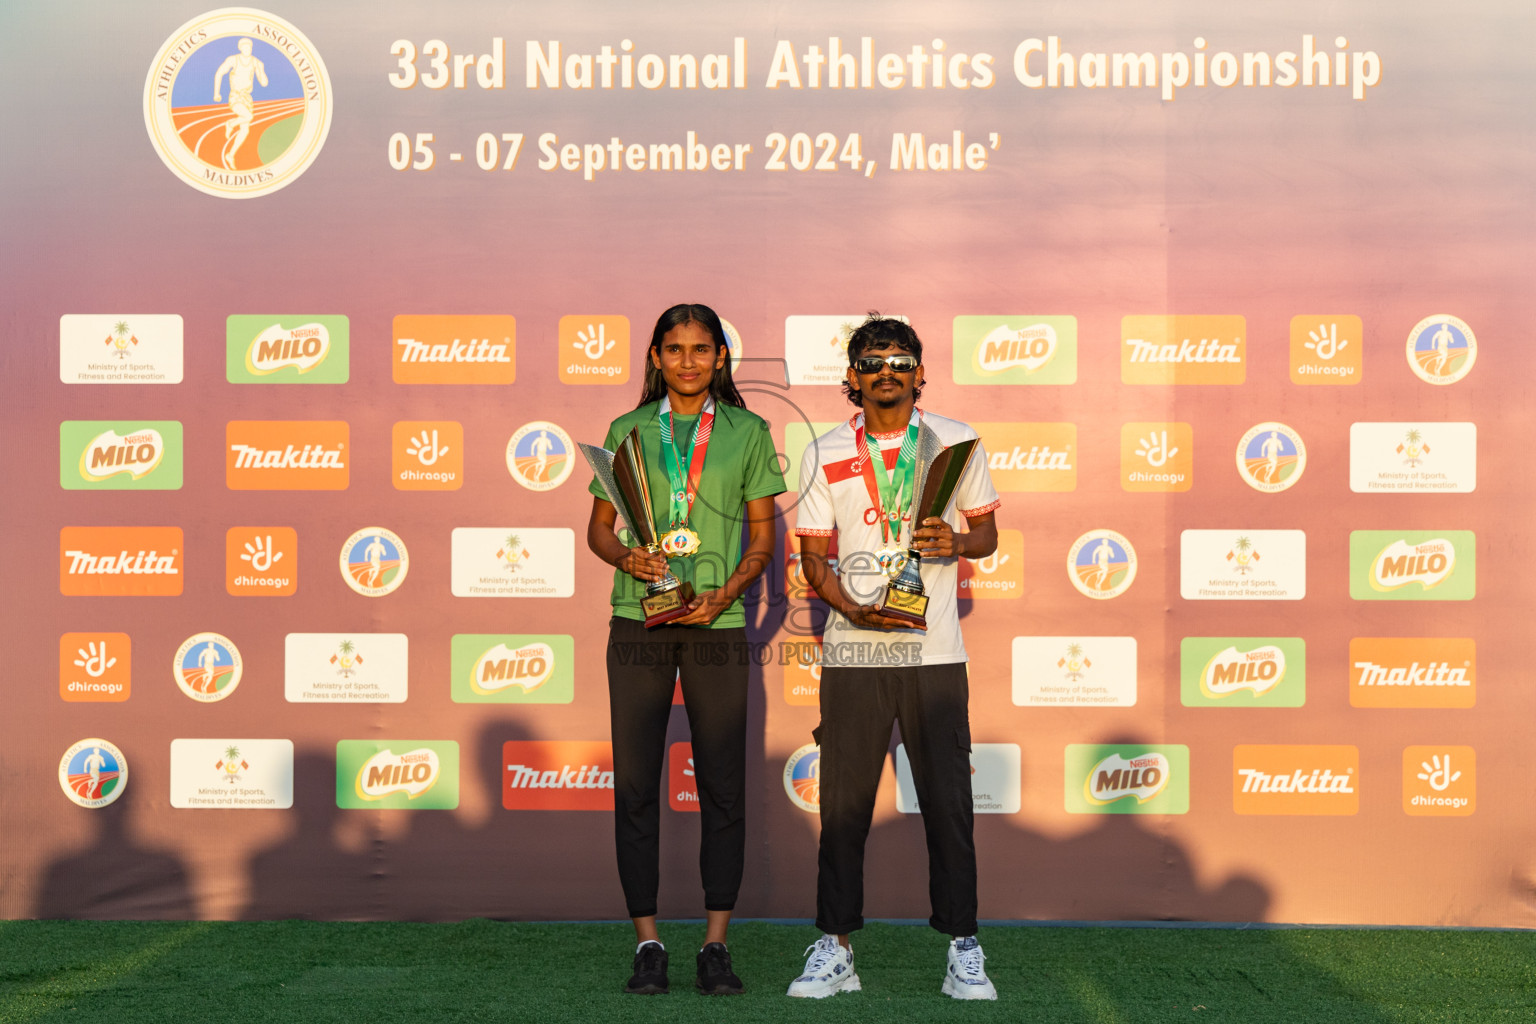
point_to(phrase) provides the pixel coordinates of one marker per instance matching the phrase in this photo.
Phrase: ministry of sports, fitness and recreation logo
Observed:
(1441, 349)
(207, 667)
(93, 773)
(1101, 564)
(374, 562)
(237, 102)
(539, 455)
(1271, 457)
(802, 778)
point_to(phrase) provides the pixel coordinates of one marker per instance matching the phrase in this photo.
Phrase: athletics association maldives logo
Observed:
(1101, 564)
(802, 778)
(1441, 349)
(539, 455)
(1271, 457)
(374, 562)
(207, 667)
(93, 773)
(237, 103)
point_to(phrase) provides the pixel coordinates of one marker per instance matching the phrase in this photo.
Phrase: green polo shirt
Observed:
(741, 465)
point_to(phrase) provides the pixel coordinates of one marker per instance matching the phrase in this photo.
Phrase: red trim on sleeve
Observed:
(972, 513)
(807, 532)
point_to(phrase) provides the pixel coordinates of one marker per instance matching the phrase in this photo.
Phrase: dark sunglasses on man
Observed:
(900, 362)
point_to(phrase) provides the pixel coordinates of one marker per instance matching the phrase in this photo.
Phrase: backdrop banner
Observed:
(307, 309)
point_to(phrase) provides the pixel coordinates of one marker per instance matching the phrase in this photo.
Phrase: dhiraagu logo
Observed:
(513, 669)
(96, 455)
(1015, 349)
(1412, 565)
(1127, 779)
(297, 349)
(1243, 672)
(389, 774)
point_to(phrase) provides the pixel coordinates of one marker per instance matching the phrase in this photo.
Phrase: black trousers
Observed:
(643, 667)
(858, 706)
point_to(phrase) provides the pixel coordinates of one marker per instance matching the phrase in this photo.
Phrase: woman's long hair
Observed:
(721, 387)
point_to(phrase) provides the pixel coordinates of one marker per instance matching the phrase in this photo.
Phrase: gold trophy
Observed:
(623, 476)
(939, 470)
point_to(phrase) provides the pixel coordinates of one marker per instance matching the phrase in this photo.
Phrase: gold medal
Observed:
(678, 541)
(891, 561)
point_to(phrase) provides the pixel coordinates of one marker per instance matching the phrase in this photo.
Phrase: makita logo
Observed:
(1028, 348)
(1142, 776)
(1206, 350)
(1039, 457)
(1259, 670)
(1319, 780)
(501, 667)
(276, 347)
(108, 454)
(1436, 673)
(309, 456)
(591, 776)
(140, 563)
(386, 772)
(1401, 563)
(475, 350)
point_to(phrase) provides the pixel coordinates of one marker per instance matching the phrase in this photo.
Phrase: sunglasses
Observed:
(899, 363)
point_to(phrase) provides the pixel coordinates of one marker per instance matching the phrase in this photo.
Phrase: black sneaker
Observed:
(650, 977)
(715, 975)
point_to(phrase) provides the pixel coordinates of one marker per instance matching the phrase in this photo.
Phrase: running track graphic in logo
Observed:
(207, 667)
(374, 561)
(237, 103)
(93, 773)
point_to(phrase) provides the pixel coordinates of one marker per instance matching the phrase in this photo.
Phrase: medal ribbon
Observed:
(891, 493)
(685, 490)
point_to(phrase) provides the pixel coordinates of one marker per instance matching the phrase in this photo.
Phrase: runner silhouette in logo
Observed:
(208, 661)
(542, 446)
(244, 70)
(1102, 556)
(95, 761)
(374, 553)
(1442, 339)
(1271, 449)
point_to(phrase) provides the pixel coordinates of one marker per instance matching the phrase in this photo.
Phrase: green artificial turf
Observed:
(229, 973)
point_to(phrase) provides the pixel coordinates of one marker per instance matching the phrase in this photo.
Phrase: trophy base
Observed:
(905, 605)
(668, 605)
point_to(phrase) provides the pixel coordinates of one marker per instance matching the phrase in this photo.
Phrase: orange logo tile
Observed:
(114, 561)
(1327, 350)
(1000, 575)
(287, 455)
(261, 561)
(1439, 781)
(455, 349)
(1031, 456)
(95, 666)
(594, 349)
(1412, 672)
(1295, 779)
(1157, 457)
(427, 455)
(1183, 349)
(543, 775)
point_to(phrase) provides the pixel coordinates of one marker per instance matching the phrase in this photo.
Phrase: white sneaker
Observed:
(828, 970)
(965, 977)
